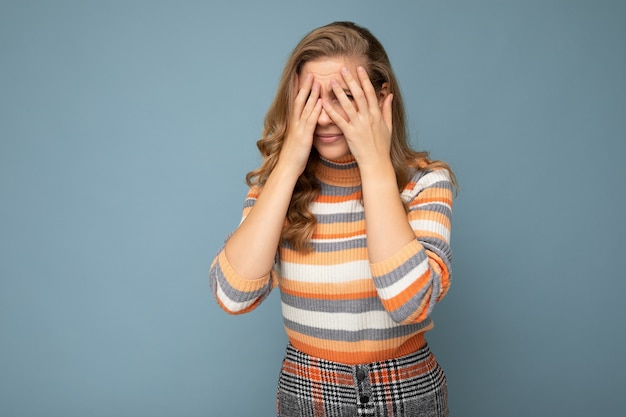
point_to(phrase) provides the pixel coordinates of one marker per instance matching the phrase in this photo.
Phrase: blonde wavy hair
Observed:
(338, 39)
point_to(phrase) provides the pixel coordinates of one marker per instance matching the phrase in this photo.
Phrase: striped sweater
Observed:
(336, 304)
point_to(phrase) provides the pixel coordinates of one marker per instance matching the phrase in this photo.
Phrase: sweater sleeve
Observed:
(235, 294)
(412, 281)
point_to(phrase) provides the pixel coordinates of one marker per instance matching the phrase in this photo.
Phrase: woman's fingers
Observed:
(368, 89)
(303, 95)
(337, 118)
(388, 111)
(311, 121)
(307, 108)
(358, 96)
(311, 102)
(299, 139)
(346, 102)
(361, 89)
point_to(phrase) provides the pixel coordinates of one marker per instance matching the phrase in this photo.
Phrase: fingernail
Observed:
(345, 71)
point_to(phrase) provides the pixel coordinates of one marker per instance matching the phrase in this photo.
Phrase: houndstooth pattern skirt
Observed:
(410, 386)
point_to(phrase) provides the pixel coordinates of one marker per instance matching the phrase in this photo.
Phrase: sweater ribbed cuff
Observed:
(237, 281)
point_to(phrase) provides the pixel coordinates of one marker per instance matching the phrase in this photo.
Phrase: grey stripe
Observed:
(341, 166)
(338, 191)
(434, 207)
(445, 184)
(340, 217)
(249, 202)
(362, 305)
(357, 335)
(401, 271)
(239, 296)
(354, 243)
(440, 247)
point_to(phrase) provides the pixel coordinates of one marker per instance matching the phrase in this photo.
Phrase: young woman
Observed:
(353, 226)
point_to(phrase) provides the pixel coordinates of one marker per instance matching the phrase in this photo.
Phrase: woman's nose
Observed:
(324, 119)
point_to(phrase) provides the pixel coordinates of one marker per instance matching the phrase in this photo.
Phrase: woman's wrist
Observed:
(378, 171)
(286, 171)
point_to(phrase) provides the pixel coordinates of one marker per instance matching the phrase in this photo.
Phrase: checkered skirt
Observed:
(413, 385)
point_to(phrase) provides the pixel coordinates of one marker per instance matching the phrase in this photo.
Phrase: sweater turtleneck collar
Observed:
(343, 171)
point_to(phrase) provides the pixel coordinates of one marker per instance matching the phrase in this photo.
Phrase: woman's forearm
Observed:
(252, 247)
(386, 224)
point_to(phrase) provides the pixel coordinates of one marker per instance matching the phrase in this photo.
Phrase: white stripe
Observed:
(339, 239)
(426, 181)
(434, 177)
(230, 304)
(350, 206)
(340, 273)
(431, 226)
(430, 203)
(402, 284)
(339, 321)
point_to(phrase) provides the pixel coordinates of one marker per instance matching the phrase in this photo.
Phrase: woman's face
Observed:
(328, 138)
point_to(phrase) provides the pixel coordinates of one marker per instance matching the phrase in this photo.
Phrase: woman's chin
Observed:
(332, 151)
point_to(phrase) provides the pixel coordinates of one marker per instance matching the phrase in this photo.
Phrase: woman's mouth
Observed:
(329, 137)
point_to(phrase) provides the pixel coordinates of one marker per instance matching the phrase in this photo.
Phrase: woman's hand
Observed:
(369, 118)
(299, 139)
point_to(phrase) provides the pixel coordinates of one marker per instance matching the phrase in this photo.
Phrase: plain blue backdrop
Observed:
(126, 129)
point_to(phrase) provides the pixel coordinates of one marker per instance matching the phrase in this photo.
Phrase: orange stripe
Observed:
(346, 229)
(420, 233)
(433, 196)
(405, 372)
(339, 198)
(357, 352)
(332, 297)
(317, 289)
(337, 236)
(417, 215)
(421, 313)
(236, 281)
(440, 267)
(406, 295)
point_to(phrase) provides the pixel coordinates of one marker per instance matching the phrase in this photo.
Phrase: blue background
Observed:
(126, 128)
